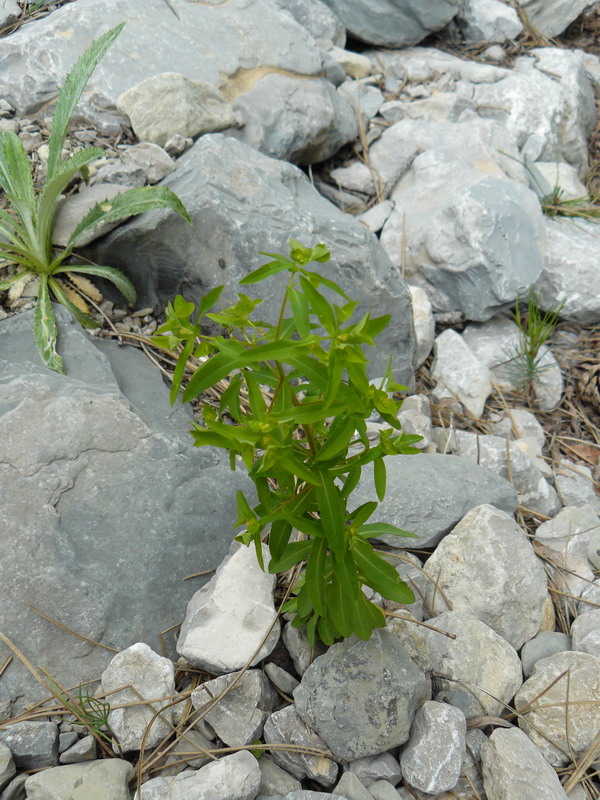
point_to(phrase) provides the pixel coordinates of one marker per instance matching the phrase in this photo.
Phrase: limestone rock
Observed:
(33, 744)
(7, 766)
(374, 681)
(155, 162)
(73, 209)
(487, 567)
(551, 17)
(274, 780)
(458, 370)
(585, 632)
(372, 768)
(488, 21)
(578, 687)
(424, 322)
(106, 779)
(543, 645)
(316, 18)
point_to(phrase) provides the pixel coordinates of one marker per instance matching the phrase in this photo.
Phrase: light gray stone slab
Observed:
(97, 780)
(553, 16)
(457, 370)
(33, 744)
(585, 632)
(569, 535)
(543, 645)
(372, 768)
(488, 21)
(274, 780)
(7, 766)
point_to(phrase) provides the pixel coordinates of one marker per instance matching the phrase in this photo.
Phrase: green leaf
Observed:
(310, 527)
(351, 481)
(315, 575)
(255, 396)
(209, 300)
(245, 513)
(374, 530)
(340, 434)
(361, 514)
(203, 437)
(44, 328)
(316, 279)
(179, 370)
(365, 617)
(380, 575)
(300, 310)
(230, 399)
(335, 370)
(379, 476)
(294, 465)
(17, 182)
(331, 509)
(8, 282)
(341, 593)
(82, 318)
(320, 253)
(208, 374)
(115, 276)
(71, 92)
(128, 204)
(320, 306)
(293, 554)
(272, 268)
(279, 536)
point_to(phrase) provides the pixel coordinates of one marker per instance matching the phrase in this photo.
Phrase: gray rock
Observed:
(478, 661)
(316, 18)
(518, 423)
(552, 17)
(7, 766)
(383, 790)
(354, 65)
(150, 676)
(374, 681)
(301, 653)
(99, 475)
(83, 750)
(220, 180)
(308, 795)
(189, 751)
(152, 159)
(226, 621)
(561, 733)
(585, 632)
(543, 645)
(66, 740)
(575, 485)
(375, 218)
(169, 103)
(238, 718)
(427, 494)
(488, 21)
(72, 210)
(488, 568)
(352, 787)
(393, 23)
(286, 727)
(32, 744)
(459, 371)
(6, 701)
(365, 99)
(97, 780)
(281, 679)
(415, 417)
(590, 597)
(372, 768)
(15, 789)
(432, 758)
(10, 11)
(274, 780)
(116, 172)
(552, 174)
(232, 777)
(514, 769)
(571, 273)
(424, 322)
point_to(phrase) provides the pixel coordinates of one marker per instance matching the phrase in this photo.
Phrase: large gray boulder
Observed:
(429, 493)
(393, 23)
(232, 46)
(552, 17)
(107, 505)
(242, 202)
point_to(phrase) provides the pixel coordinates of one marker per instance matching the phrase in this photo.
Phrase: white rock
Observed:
(590, 597)
(568, 535)
(459, 371)
(486, 567)
(152, 159)
(423, 321)
(432, 758)
(585, 630)
(553, 16)
(152, 676)
(488, 21)
(562, 175)
(10, 11)
(376, 216)
(519, 423)
(514, 769)
(233, 777)
(575, 485)
(415, 417)
(371, 768)
(228, 618)
(106, 779)
(354, 64)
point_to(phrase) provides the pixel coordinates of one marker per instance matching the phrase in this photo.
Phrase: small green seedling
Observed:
(26, 228)
(295, 411)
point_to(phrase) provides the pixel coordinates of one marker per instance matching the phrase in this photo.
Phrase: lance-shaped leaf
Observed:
(380, 575)
(292, 555)
(374, 530)
(82, 318)
(44, 328)
(16, 180)
(272, 268)
(115, 276)
(365, 617)
(316, 569)
(128, 204)
(331, 509)
(379, 476)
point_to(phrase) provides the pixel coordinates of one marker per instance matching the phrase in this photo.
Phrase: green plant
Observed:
(26, 228)
(295, 411)
(535, 328)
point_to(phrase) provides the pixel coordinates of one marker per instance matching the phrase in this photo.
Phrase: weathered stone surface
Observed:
(97, 780)
(371, 768)
(281, 679)
(238, 718)
(374, 681)
(7, 766)
(553, 16)
(169, 103)
(543, 645)
(227, 45)
(479, 658)
(585, 632)
(99, 475)
(427, 494)
(152, 159)
(488, 21)
(73, 209)
(514, 769)
(150, 676)
(415, 418)
(274, 780)
(10, 11)
(316, 18)
(351, 787)
(286, 727)
(424, 322)
(221, 180)
(301, 653)
(233, 777)
(456, 369)
(487, 567)
(393, 23)
(578, 688)
(32, 744)
(227, 619)
(188, 751)
(82, 750)
(432, 758)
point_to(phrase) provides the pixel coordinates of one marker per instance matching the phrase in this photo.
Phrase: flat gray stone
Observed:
(543, 645)
(97, 482)
(221, 180)
(316, 18)
(32, 744)
(371, 768)
(7, 766)
(374, 681)
(352, 787)
(429, 493)
(488, 21)
(488, 568)
(458, 371)
(585, 632)
(106, 779)
(552, 17)
(274, 780)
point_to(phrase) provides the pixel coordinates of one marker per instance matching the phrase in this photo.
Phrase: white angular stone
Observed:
(227, 619)
(376, 216)
(432, 758)
(424, 322)
(551, 17)
(354, 64)
(568, 535)
(519, 423)
(458, 370)
(488, 21)
(558, 174)
(543, 700)
(106, 779)
(33, 743)
(485, 662)
(152, 159)
(152, 676)
(514, 769)
(415, 417)
(486, 566)
(585, 630)
(7, 766)
(233, 777)
(575, 485)
(371, 768)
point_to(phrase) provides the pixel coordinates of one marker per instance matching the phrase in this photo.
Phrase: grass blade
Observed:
(44, 328)
(70, 93)
(115, 276)
(16, 180)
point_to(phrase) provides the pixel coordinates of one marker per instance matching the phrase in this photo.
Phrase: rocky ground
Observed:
(487, 686)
